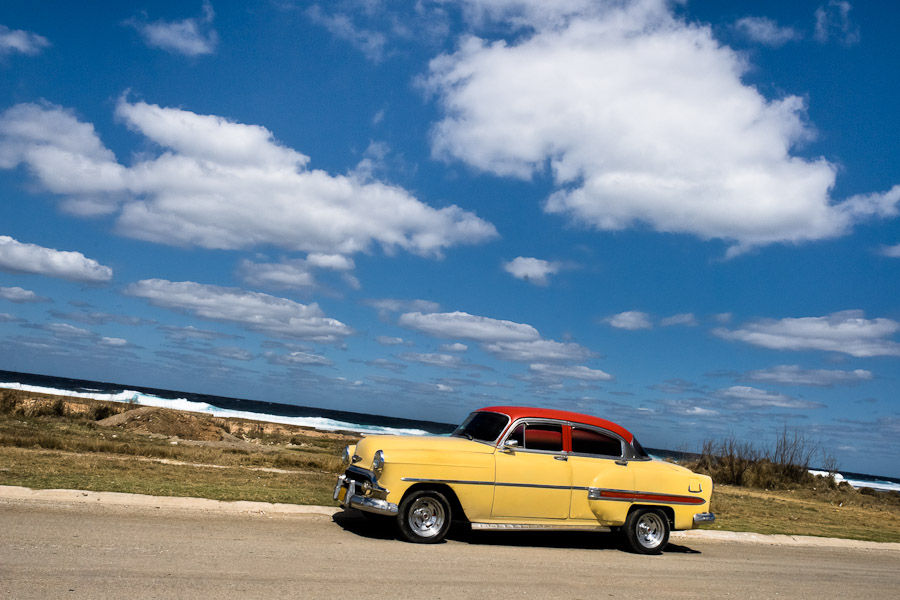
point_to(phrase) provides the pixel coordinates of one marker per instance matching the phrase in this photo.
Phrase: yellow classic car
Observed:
(517, 468)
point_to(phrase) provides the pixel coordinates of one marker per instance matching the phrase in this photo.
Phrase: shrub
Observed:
(785, 464)
(9, 401)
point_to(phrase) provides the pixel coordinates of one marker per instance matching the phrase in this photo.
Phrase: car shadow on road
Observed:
(383, 528)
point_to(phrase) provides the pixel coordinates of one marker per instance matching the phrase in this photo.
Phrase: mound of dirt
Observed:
(170, 423)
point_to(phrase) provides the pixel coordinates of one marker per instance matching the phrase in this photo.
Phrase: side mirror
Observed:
(509, 445)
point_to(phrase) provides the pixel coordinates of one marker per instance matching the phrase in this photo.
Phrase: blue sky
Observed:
(676, 215)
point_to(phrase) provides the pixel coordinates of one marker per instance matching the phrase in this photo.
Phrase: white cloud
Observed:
(534, 270)
(631, 320)
(291, 274)
(891, 251)
(224, 185)
(848, 332)
(455, 347)
(20, 295)
(113, 342)
(371, 43)
(278, 317)
(295, 359)
(393, 305)
(468, 327)
(433, 359)
(742, 396)
(538, 351)
(31, 258)
(686, 319)
(580, 372)
(506, 340)
(385, 340)
(833, 23)
(191, 37)
(795, 375)
(23, 42)
(643, 118)
(766, 31)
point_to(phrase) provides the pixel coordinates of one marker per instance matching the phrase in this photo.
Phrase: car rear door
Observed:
(597, 463)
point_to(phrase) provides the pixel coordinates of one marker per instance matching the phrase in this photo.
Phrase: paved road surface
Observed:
(72, 550)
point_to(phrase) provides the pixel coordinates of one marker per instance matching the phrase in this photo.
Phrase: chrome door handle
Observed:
(561, 457)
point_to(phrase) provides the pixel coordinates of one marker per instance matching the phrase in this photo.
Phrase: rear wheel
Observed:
(424, 517)
(646, 530)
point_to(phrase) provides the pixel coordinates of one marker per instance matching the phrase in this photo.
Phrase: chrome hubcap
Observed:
(426, 517)
(650, 530)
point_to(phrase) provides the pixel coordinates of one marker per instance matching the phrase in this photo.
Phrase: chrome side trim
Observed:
(635, 496)
(498, 484)
(536, 527)
(706, 517)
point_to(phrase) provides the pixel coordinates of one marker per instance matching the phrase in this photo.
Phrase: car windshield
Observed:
(482, 426)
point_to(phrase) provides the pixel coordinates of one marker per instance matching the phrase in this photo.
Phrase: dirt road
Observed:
(83, 550)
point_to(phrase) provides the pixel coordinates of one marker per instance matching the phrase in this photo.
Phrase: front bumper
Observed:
(351, 494)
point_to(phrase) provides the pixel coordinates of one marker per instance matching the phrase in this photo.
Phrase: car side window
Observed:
(591, 441)
(543, 436)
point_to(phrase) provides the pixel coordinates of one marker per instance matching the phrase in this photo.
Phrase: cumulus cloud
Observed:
(630, 320)
(765, 31)
(505, 340)
(795, 375)
(433, 359)
(20, 295)
(848, 332)
(533, 270)
(455, 347)
(891, 251)
(685, 319)
(23, 42)
(469, 327)
(741, 396)
(298, 359)
(191, 37)
(31, 258)
(833, 23)
(224, 185)
(270, 315)
(643, 119)
(559, 372)
(386, 340)
(386, 306)
(538, 351)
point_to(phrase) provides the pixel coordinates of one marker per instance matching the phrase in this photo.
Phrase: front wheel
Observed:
(424, 517)
(646, 530)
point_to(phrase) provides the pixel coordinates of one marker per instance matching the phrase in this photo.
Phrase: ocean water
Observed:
(253, 410)
(317, 418)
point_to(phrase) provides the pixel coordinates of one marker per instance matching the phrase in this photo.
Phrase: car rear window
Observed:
(591, 441)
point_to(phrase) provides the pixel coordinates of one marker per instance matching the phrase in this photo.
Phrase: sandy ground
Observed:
(65, 544)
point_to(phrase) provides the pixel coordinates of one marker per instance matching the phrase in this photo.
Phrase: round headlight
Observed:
(345, 455)
(378, 462)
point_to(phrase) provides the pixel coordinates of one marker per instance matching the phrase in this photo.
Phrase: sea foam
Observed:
(133, 397)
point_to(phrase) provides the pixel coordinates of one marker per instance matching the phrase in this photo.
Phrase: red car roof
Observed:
(519, 412)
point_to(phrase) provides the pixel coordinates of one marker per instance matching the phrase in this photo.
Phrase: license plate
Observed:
(342, 493)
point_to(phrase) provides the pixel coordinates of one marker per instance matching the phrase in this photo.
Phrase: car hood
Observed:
(393, 444)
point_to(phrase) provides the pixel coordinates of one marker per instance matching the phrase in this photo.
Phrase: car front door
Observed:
(533, 479)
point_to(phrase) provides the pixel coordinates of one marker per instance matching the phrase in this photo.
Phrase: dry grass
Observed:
(844, 514)
(101, 446)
